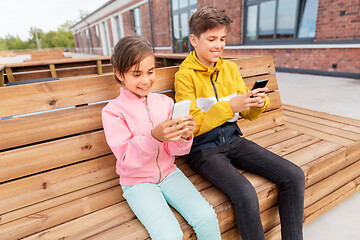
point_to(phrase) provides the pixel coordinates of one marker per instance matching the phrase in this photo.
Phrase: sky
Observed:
(18, 16)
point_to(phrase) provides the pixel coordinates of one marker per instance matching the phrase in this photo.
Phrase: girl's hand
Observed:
(190, 127)
(169, 130)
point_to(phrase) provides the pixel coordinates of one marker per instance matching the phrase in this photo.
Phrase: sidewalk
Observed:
(340, 96)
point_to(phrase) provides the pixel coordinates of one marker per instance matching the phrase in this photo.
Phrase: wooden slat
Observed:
(76, 72)
(316, 133)
(267, 120)
(354, 131)
(40, 187)
(294, 144)
(52, 70)
(56, 94)
(322, 115)
(275, 137)
(310, 122)
(331, 200)
(56, 201)
(311, 152)
(35, 128)
(99, 67)
(61, 214)
(9, 74)
(164, 79)
(322, 189)
(255, 66)
(57, 61)
(2, 77)
(328, 164)
(37, 158)
(32, 75)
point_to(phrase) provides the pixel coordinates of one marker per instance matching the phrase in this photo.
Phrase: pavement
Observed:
(339, 96)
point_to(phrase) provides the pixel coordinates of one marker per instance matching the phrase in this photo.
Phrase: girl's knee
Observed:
(168, 233)
(206, 224)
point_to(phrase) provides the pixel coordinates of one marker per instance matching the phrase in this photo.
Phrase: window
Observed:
(97, 34)
(77, 40)
(118, 29)
(87, 36)
(269, 21)
(181, 10)
(136, 17)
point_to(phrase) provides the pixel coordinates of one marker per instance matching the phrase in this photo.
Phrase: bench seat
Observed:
(58, 177)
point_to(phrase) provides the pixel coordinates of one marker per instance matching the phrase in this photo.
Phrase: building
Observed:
(308, 36)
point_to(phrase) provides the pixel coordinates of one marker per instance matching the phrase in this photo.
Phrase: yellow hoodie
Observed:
(210, 90)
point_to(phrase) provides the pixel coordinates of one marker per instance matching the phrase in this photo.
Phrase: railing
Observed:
(64, 68)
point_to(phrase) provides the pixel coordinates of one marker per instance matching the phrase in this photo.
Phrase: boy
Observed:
(218, 95)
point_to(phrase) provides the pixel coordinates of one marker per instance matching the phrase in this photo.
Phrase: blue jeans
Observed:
(219, 165)
(150, 201)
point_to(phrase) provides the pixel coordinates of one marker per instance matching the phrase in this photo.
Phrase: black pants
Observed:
(219, 165)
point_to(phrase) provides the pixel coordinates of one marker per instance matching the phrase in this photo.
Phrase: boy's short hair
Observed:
(129, 51)
(208, 18)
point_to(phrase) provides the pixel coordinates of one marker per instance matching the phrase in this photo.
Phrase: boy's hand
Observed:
(259, 93)
(169, 130)
(244, 102)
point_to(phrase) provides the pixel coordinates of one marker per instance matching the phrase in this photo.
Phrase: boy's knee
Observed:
(246, 200)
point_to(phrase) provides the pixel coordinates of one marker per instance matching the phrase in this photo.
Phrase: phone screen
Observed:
(181, 109)
(260, 83)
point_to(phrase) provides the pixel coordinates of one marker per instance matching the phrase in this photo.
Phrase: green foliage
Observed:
(62, 38)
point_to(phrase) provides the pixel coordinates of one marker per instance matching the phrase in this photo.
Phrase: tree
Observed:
(3, 45)
(62, 38)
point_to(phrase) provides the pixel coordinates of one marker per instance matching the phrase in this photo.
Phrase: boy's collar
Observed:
(217, 66)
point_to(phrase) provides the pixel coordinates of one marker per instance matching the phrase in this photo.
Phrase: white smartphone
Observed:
(181, 109)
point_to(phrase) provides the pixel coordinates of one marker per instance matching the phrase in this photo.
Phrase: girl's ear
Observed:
(193, 40)
(117, 74)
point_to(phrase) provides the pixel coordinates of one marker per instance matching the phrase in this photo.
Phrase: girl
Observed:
(144, 142)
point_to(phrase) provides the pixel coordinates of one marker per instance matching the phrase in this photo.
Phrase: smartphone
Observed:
(181, 109)
(260, 83)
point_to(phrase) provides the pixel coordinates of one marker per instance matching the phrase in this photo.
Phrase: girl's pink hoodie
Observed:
(127, 124)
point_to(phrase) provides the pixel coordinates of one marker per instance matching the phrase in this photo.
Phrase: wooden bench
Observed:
(57, 174)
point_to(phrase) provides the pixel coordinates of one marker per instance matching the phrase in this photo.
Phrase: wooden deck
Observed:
(57, 174)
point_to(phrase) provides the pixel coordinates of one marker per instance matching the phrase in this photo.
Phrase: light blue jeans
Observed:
(150, 201)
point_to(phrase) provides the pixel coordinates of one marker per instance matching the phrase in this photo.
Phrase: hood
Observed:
(192, 62)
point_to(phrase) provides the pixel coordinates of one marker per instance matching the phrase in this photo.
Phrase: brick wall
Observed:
(160, 15)
(234, 9)
(145, 21)
(338, 20)
(346, 59)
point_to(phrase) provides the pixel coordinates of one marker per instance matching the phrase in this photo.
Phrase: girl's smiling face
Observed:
(140, 78)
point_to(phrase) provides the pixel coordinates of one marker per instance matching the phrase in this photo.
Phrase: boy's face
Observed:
(209, 45)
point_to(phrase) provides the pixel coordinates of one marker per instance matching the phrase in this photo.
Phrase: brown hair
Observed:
(208, 18)
(130, 51)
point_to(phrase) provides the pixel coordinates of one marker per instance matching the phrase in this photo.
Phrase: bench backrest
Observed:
(52, 142)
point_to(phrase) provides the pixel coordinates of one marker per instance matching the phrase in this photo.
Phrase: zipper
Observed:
(217, 99)
(213, 84)
(158, 150)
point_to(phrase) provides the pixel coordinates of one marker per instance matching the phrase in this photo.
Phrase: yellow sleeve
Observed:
(218, 114)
